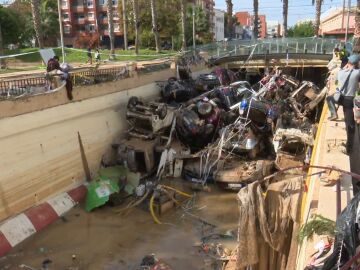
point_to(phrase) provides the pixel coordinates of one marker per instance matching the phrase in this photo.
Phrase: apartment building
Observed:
(247, 21)
(84, 17)
(333, 23)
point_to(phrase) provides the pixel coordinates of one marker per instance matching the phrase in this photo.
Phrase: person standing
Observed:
(89, 56)
(348, 79)
(355, 153)
(97, 56)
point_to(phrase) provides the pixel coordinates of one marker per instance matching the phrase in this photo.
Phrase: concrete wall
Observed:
(40, 153)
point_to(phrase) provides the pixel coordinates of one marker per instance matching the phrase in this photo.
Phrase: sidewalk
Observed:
(322, 195)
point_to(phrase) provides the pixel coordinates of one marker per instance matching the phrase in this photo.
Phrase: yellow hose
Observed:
(151, 206)
(177, 191)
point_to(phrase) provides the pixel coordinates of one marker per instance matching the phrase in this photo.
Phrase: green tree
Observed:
(202, 26)
(49, 22)
(10, 26)
(305, 29)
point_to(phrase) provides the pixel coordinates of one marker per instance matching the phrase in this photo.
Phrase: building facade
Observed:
(273, 29)
(247, 21)
(333, 23)
(89, 17)
(219, 23)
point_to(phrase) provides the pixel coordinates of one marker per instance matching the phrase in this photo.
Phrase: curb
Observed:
(15, 230)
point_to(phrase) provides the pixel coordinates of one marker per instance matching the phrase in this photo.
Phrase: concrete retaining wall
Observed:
(40, 154)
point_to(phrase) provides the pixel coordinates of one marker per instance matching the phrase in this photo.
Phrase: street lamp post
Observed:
(61, 31)
(348, 21)
(194, 34)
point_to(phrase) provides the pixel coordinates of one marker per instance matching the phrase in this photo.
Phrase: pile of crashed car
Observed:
(217, 128)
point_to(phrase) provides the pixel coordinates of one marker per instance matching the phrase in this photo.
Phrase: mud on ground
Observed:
(105, 240)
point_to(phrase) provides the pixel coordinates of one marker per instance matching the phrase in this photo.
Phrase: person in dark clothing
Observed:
(89, 55)
(355, 153)
(351, 76)
(53, 64)
(344, 57)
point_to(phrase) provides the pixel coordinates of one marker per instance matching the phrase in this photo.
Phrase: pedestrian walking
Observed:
(348, 81)
(89, 56)
(97, 56)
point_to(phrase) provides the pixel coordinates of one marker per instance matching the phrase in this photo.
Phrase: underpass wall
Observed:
(40, 154)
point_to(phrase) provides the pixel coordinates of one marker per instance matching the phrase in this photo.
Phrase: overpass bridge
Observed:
(294, 52)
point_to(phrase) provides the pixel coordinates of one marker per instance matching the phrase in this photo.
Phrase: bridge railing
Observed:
(269, 46)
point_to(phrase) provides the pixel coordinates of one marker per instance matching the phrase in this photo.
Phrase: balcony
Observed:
(78, 8)
(80, 21)
(101, 8)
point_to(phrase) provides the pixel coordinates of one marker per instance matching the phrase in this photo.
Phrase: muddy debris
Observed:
(212, 129)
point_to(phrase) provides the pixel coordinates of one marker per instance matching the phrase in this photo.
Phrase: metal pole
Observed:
(348, 21)
(194, 42)
(343, 16)
(61, 32)
(125, 25)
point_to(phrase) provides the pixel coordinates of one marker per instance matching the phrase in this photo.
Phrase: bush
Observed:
(147, 39)
(87, 40)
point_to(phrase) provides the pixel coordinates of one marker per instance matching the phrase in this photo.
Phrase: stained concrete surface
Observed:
(105, 240)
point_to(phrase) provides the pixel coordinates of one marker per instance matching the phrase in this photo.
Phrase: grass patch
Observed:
(75, 56)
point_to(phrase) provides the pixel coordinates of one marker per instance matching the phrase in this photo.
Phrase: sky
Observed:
(298, 9)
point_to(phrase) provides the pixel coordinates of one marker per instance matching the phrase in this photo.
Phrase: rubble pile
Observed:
(215, 128)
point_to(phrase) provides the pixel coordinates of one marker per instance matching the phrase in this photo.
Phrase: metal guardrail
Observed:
(19, 87)
(269, 46)
(95, 76)
(16, 88)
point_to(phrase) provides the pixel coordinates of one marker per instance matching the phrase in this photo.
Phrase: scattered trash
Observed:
(150, 262)
(99, 191)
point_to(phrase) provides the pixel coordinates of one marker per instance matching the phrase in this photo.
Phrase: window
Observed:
(91, 28)
(104, 27)
(115, 15)
(64, 3)
(102, 2)
(81, 28)
(114, 2)
(116, 27)
(65, 16)
(77, 3)
(67, 29)
(90, 3)
(79, 16)
(103, 15)
(90, 15)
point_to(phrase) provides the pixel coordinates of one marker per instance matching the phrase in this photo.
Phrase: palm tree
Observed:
(154, 25)
(356, 48)
(229, 5)
(285, 16)
(256, 19)
(124, 18)
(35, 10)
(1, 48)
(317, 15)
(183, 26)
(110, 13)
(137, 24)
